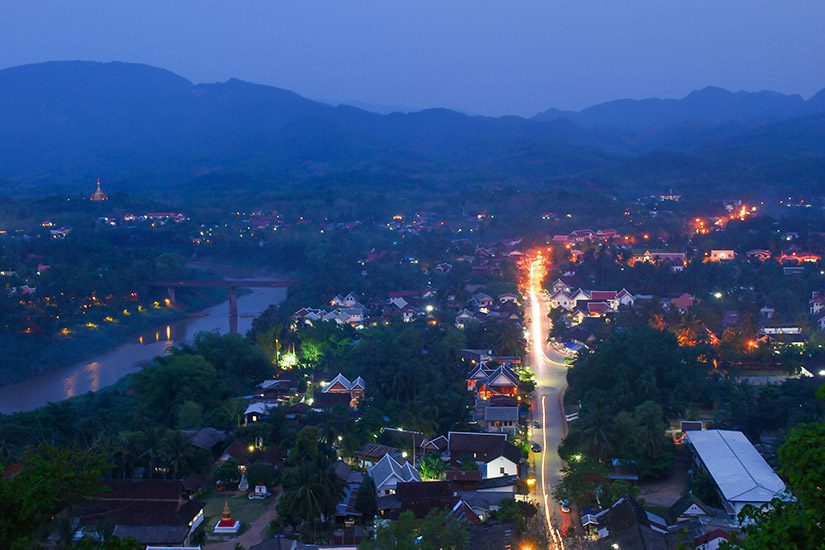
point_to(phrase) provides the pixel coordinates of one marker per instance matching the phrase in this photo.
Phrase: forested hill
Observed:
(64, 123)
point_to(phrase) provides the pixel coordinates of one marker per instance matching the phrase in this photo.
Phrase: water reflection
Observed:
(93, 375)
(107, 368)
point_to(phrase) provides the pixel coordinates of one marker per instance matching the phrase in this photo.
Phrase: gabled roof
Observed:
(684, 503)
(626, 524)
(481, 446)
(502, 376)
(388, 467)
(602, 295)
(439, 443)
(359, 383)
(464, 512)
(207, 438)
(339, 379)
(477, 372)
(258, 408)
(597, 308)
(736, 466)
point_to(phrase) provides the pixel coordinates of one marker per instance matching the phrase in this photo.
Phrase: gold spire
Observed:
(99, 195)
(227, 513)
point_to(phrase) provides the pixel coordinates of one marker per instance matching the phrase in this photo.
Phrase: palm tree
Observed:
(432, 467)
(594, 432)
(313, 496)
(176, 447)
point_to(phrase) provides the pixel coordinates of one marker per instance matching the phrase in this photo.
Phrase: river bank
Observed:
(106, 368)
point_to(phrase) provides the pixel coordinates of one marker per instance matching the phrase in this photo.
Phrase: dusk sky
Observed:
(477, 56)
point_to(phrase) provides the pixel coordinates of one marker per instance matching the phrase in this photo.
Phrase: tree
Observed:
(432, 468)
(580, 482)
(365, 502)
(164, 386)
(789, 523)
(432, 532)
(227, 473)
(52, 477)
(637, 365)
(190, 415)
(260, 474)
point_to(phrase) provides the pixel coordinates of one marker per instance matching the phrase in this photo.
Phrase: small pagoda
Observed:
(99, 195)
(226, 525)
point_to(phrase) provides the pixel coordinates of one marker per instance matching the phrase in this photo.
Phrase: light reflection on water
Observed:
(107, 368)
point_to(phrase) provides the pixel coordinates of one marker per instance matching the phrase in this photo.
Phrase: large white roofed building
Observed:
(739, 471)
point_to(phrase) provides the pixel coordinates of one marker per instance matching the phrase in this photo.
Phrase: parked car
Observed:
(536, 424)
(535, 447)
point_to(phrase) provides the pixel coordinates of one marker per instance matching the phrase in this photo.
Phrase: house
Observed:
(740, 473)
(208, 439)
(463, 317)
(562, 298)
(688, 508)
(500, 419)
(482, 301)
(712, 540)
(717, 255)
(683, 301)
(422, 498)
(507, 297)
(797, 257)
(387, 473)
(492, 535)
(598, 309)
(759, 255)
(372, 453)
(353, 481)
(501, 381)
(256, 411)
(625, 298)
(278, 390)
(495, 455)
(348, 300)
(676, 260)
(475, 356)
(436, 445)
(816, 303)
(342, 386)
(626, 525)
(153, 511)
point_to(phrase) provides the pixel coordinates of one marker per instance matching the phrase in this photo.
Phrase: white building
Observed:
(739, 471)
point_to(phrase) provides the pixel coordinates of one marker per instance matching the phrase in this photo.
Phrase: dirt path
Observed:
(256, 532)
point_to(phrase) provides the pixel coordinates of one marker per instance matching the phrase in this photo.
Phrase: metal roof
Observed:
(736, 466)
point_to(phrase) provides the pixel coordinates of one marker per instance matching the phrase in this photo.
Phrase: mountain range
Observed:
(64, 123)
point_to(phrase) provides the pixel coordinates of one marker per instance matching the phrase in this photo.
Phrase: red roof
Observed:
(598, 308)
(711, 535)
(602, 295)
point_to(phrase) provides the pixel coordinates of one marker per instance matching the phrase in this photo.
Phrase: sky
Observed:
(477, 56)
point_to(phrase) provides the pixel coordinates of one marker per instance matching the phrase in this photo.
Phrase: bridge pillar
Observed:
(170, 290)
(233, 310)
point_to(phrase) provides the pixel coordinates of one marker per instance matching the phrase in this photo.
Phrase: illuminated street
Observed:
(550, 373)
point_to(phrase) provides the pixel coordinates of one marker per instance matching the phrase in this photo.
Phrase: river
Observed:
(107, 368)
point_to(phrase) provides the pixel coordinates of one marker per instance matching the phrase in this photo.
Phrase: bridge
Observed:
(230, 284)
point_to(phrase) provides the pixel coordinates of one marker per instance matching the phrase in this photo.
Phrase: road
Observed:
(548, 408)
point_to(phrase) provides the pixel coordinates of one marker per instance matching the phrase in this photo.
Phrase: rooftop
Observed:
(736, 466)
